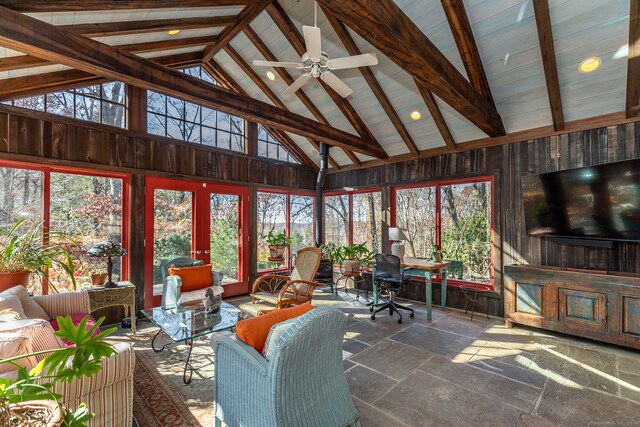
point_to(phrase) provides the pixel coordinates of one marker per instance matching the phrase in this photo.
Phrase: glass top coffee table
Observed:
(186, 323)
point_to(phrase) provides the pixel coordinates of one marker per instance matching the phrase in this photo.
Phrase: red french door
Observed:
(197, 220)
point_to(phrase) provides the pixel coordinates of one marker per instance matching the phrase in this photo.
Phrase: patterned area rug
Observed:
(161, 399)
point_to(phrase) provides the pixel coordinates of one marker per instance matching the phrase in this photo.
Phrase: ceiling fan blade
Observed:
(364, 60)
(260, 63)
(297, 84)
(312, 40)
(336, 84)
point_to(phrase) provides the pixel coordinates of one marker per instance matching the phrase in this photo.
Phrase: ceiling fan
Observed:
(315, 63)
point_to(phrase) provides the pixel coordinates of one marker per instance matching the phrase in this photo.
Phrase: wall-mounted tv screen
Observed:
(598, 202)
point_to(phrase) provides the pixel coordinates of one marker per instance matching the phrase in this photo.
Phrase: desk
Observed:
(124, 295)
(421, 267)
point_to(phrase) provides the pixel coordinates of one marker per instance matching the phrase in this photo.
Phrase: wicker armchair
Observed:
(272, 292)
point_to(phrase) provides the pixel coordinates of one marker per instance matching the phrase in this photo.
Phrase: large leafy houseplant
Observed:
(25, 248)
(278, 242)
(353, 257)
(83, 359)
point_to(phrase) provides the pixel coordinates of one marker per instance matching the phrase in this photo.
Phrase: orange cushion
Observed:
(254, 331)
(193, 278)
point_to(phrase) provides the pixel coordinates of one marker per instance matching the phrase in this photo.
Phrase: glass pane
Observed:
(223, 140)
(272, 210)
(90, 209)
(33, 103)
(208, 136)
(208, 117)
(156, 102)
(175, 108)
(21, 198)
(88, 108)
(60, 103)
(367, 219)
(237, 125)
(92, 91)
(262, 148)
(466, 229)
(113, 114)
(224, 235)
(301, 222)
(416, 214)
(223, 121)
(114, 92)
(336, 219)
(283, 154)
(175, 128)
(272, 151)
(172, 225)
(191, 132)
(192, 112)
(156, 124)
(237, 142)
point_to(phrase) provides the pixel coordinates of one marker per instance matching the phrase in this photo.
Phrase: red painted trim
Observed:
(438, 185)
(46, 199)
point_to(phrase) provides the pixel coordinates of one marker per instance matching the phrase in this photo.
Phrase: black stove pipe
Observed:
(324, 156)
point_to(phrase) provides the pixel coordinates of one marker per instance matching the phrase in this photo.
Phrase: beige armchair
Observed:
(272, 292)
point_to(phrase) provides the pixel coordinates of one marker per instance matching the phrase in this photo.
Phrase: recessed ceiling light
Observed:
(271, 76)
(415, 115)
(590, 64)
(173, 32)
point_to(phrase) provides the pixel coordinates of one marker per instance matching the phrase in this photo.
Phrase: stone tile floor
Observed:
(451, 371)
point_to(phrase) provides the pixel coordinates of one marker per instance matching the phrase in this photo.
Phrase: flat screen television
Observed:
(598, 202)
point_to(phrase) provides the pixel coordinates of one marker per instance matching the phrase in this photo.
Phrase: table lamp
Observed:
(396, 235)
(108, 249)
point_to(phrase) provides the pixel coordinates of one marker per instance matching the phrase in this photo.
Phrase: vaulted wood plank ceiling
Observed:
(499, 53)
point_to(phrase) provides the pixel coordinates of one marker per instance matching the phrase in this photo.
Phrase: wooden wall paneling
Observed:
(136, 236)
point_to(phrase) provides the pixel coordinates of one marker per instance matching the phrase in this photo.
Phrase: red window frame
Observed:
(46, 200)
(350, 194)
(437, 185)
(287, 265)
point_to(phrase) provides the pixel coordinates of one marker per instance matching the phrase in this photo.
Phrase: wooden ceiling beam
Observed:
(105, 29)
(26, 34)
(545, 36)
(250, 72)
(247, 15)
(463, 36)
(288, 28)
(29, 61)
(437, 116)
(286, 77)
(632, 105)
(86, 5)
(224, 79)
(392, 114)
(385, 26)
(38, 84)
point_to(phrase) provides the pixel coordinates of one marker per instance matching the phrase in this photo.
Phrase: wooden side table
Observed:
(124, 295)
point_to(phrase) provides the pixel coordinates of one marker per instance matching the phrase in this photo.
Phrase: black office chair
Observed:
(390, 277)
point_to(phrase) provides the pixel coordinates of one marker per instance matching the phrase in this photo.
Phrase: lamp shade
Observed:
(107, 249)
(396, 234)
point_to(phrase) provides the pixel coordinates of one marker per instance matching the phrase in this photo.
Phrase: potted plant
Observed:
(98, 274)
(28, 398)
(23, 252)
(278, 242)
(353, 257)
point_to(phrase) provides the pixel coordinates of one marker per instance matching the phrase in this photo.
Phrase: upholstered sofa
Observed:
(301, 384)
(108, 394)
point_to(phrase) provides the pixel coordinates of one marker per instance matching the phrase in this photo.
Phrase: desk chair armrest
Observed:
(269, 283)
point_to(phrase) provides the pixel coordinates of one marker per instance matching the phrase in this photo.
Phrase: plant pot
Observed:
(352, 266)
(9, 280)
(36, 413)
(99, 279)
(276, 252)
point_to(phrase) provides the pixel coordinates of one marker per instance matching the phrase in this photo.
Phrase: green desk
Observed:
(425, 268)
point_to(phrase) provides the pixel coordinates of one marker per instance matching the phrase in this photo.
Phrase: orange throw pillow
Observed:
(254, 331)
(193, 278)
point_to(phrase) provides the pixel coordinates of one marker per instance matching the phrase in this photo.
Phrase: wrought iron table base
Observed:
(189, 342)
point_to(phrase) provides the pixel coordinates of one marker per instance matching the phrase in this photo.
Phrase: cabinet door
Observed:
(582, 308)
(631, 315)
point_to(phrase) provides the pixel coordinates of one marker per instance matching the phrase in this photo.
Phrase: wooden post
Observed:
(136, 237)
(252, 139)
(137, 109)
(253, 236)
(385, 200)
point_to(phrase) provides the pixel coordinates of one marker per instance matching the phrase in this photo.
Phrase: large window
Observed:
(90, 206)
(291, 213)
(103, 103)
(186, 121)
(269, 147)
(354, 219)
(462, 226)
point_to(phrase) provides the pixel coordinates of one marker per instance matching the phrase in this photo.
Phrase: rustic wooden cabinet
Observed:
(603, 306)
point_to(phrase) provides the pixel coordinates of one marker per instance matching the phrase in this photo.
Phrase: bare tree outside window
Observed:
(269, 147)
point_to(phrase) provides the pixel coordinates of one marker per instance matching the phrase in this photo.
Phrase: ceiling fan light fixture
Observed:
(270, 75)
(173, 32)
(415, 115)
(590, 64)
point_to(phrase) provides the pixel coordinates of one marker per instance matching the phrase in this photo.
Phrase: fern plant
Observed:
(60, 365)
